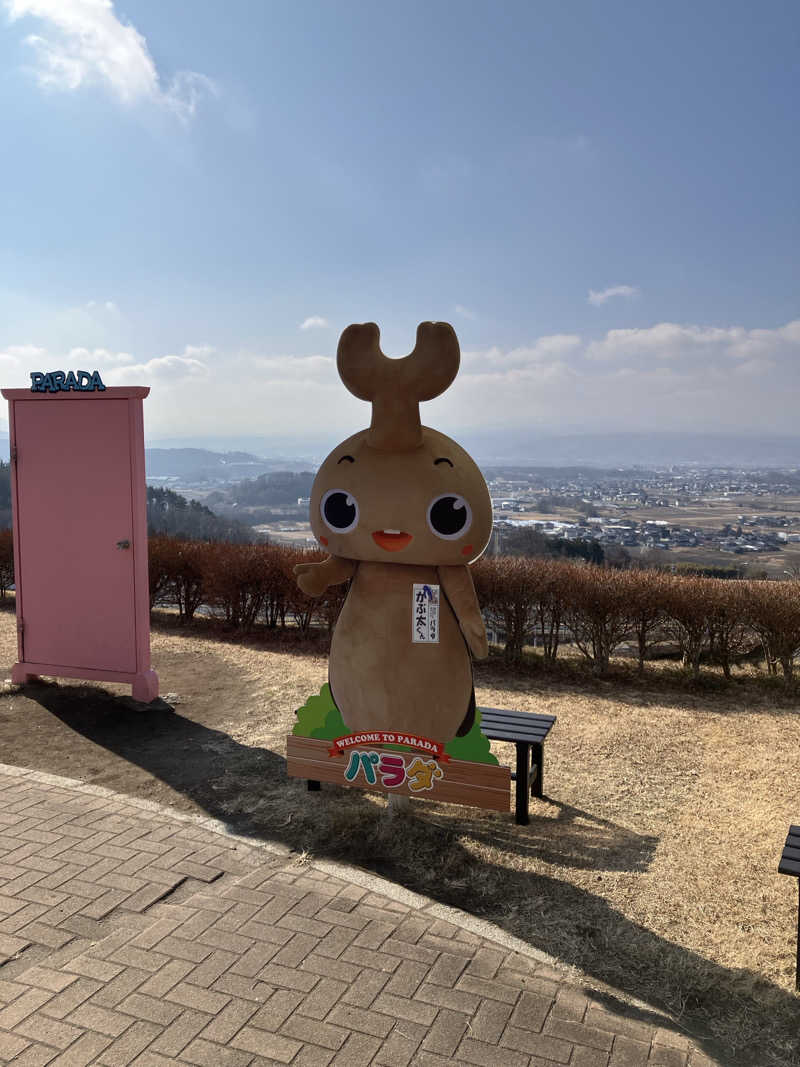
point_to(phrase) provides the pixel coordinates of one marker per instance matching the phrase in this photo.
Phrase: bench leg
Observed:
(312, 785)
(537, 753)
(523, 766)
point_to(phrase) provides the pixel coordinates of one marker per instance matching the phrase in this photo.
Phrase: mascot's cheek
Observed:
(323, 540)
(466, 550)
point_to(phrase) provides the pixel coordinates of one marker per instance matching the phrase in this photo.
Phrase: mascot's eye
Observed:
(339, 511)
(449, 516)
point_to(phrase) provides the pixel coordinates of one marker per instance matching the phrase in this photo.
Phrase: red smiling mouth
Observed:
(391, 540)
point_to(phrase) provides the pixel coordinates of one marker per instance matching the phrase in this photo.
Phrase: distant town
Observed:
(694, 515)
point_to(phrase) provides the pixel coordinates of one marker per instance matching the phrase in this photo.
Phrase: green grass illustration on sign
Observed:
(320, 718)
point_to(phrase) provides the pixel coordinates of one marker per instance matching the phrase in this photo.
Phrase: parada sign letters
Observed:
(55, 381)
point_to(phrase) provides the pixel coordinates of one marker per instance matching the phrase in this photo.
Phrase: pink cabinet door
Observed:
(74, 505)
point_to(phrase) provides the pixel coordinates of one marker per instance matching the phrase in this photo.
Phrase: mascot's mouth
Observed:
(391, 540)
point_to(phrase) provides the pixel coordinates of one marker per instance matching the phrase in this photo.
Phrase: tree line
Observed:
(523, 599)
(546, 601)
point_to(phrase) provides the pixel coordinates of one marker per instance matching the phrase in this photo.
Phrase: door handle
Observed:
(123, 544)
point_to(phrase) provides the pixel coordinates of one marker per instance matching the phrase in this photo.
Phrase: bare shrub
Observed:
(596, 610)
(6, 561)
(234, 579)
(645, 592)
(774, 614)
(730, 633)
(687, 606)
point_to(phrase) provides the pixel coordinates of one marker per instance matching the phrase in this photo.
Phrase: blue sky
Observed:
(602, 198)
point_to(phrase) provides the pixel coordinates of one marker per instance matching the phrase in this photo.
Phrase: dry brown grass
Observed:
(652, 867)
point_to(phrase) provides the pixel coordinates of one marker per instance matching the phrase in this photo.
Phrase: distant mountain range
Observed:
(199, 464)
(634, 449)
(234, 458)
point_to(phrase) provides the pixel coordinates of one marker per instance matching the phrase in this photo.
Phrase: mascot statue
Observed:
(403, 511)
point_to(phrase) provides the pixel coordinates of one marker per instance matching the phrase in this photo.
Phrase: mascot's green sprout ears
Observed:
(402, 510)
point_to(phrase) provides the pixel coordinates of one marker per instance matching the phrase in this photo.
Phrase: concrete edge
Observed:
(346, 872)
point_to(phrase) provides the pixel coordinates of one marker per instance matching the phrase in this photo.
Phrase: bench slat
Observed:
(510, 733)
(789, 867)
(515, 716)
(790, 852)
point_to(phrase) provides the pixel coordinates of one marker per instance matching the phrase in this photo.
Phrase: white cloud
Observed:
(547, 348)
(671, 341)
(601, 297)
(164, 370)
(100, 356)
(21, 353)
(310, 370)
(314, 322)
(465, 312)
(83, 42)
(665, 377)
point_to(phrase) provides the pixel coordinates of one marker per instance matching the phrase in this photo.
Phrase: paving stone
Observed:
(180, 1032)
(483, 988)
(83, 1052)
(35, 1056)
(26, 1004)
(626, 1052)
(589, 1057)
(358, 1049)
(363, 992)
(208, 1054)
(207, 1000)
(313, 1031)
(446, 1032)
(310, 1056)
(154, 1010)
(79, 990)
(263, 1043)
(363, 1020)
(325, 967)
(277, 1009)
(470, 1051)
(11, 1046)
(104, 1020)
(322, 998)
(579, 1033)
(551, 1048)
(38, 1027)
(397, 1050)
(489, 1021)
(664, 1056)
(454, 999)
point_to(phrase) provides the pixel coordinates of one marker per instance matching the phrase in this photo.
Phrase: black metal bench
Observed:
(528, 732)
(790, 864)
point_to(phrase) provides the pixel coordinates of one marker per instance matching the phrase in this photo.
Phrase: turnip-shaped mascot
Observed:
(403, 510)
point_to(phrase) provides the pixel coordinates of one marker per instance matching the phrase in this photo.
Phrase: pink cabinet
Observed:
(80, 536)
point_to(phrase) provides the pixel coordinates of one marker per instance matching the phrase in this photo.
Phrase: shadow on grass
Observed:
(568, 674)
(756, 1022)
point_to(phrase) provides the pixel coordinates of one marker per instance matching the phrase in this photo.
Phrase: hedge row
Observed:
(524, 601)
(601, 608)
(242, 584)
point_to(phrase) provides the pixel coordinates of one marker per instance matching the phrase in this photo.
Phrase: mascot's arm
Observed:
(314, 578)
(459, 590)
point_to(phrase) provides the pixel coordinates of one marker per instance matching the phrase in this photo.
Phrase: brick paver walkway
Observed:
(130, 934)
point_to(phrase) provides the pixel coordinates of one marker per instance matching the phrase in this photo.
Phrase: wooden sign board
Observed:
(382, 769)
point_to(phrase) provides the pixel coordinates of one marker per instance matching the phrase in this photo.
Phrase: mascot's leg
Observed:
(469, 718)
